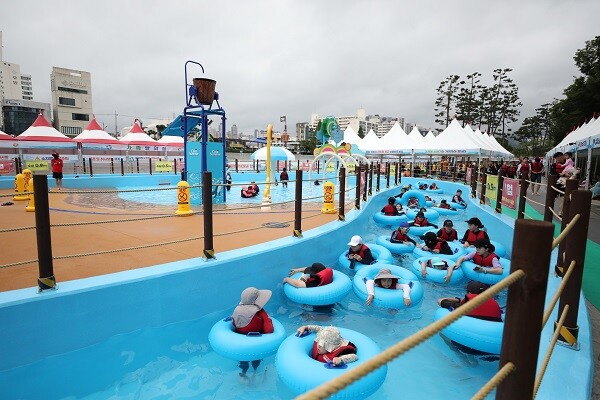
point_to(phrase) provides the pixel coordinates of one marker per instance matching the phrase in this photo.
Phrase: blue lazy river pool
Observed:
(143, 334)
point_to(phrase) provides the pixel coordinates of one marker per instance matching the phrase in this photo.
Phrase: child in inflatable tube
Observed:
(487, 261)
(359, 252)
(447, 233)
(435, 245)
(400, 235)
(390, 208)
(420, 220)
(444, 204)
(249, 316)
(457, 198)
(313, 276)
(438, 263)
(386, 280)
(474, 232)
(329, 345)
(489, 311)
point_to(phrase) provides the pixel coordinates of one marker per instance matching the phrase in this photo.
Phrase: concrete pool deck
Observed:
(73, 208)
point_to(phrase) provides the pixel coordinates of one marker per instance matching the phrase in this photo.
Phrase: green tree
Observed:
(361, 132)
(445, 103)
(468, 102)
(536, 132)
(502, 107)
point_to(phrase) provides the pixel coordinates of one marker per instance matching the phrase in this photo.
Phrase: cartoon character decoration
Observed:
(329, 130)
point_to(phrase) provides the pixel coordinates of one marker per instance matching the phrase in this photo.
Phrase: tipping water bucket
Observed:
(205, 90)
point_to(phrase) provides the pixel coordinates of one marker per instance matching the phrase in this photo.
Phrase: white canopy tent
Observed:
(453, 140)
(43, 135)
(137, 137)
(416, 137)
(370, 143)
(351, 137)
(93, 136)
(396, 141)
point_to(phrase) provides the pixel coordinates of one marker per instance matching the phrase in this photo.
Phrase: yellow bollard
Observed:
(183, 199)
(31, 204)
(328, 192)
(20, 188)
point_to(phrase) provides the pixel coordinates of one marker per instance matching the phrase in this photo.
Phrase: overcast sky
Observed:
(294, 58)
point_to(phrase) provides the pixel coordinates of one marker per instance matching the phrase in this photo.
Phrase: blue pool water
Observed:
(175, 361)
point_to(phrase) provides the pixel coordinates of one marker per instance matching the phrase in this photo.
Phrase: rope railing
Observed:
(16, 264)
(557, 190)
(535, 183)
(104, 191)
(16, 229)
(494, 381)
(534, 202)
(528, 216)
(559, 291)
(565, 231)
(555, 214)
(544, 366)
(335, 385)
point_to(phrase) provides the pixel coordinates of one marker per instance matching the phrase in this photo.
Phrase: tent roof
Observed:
(485, 145)
(137, 136)
(453, 140)
(429, 137)
(351, 137)
(396, 140)
(93, 133)
(415, 136)
(171, 140)
(42, 131)
(370, 142)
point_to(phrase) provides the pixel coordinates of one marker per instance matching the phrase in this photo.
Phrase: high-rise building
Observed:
(71, 100)
(234, 131)
(18, 110)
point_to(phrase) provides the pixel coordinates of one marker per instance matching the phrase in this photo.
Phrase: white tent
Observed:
(396, 141)
(453, 140)
(429, 137)
(492, 138)
(493, 143)
(351, 137)
(94, 134)
(173, 141)
(370, 143)
(138, 137)
(416, 137)
(41, 134)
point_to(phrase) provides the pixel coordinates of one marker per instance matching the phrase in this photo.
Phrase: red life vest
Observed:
(400, 237)
(488, 310)
(524, 168)
(473, 237)
(57, 165)
(457, 199)
(484, 262)
(259, 323)
(422, 223)
(512, 170)
(438, 246)
(326, 276)
(559, 168)
(504, 167)
(442, 234)
(360, 252)
(340, 351)
(389, 209)
(537, 167)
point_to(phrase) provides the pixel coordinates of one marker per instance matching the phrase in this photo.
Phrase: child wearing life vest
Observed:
(489, 310)
(313, 276)
(420, 220)
(386, 280)
(437, 263)
(447, 233)
(359, 252)
(474, 232)
(457, 198)
(487, 261)
(435, 245)
(433, 186)
(390, 208)
(537, 170)
(400, 235)
(444, 204)
(249, 316)
(413, 202)
(329, 345)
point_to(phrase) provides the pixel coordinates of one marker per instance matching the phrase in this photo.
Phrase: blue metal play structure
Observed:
(199, 99)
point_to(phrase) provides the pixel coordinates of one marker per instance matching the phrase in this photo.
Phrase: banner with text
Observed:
(510, 190)
(6, 167)
(491, 187)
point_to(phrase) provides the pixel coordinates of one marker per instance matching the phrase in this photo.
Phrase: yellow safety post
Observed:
(30, 207)
(183, 199)
(20, 188)
(328, 191)
(27, 174)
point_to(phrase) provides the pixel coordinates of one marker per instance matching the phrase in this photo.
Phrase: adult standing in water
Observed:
(57, 169)
(283, 177)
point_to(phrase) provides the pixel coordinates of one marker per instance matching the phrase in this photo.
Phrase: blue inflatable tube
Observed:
(413, 193)
(430, 214)
(478, 334)
(437, 275)
(488, 279)
(437, 191)
(420, 230)
(235, 346)
(445, 211)
(301, 373)
(387, 297)
(388, 220)
(458, 206)
(456, 247)
(320, 295)
(394, 248)
(380, 254)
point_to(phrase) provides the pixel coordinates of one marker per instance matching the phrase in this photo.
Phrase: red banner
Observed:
(510, 191)
(468, 175)
(6, 167)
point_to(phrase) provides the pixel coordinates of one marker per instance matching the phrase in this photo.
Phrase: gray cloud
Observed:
(274, 58)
